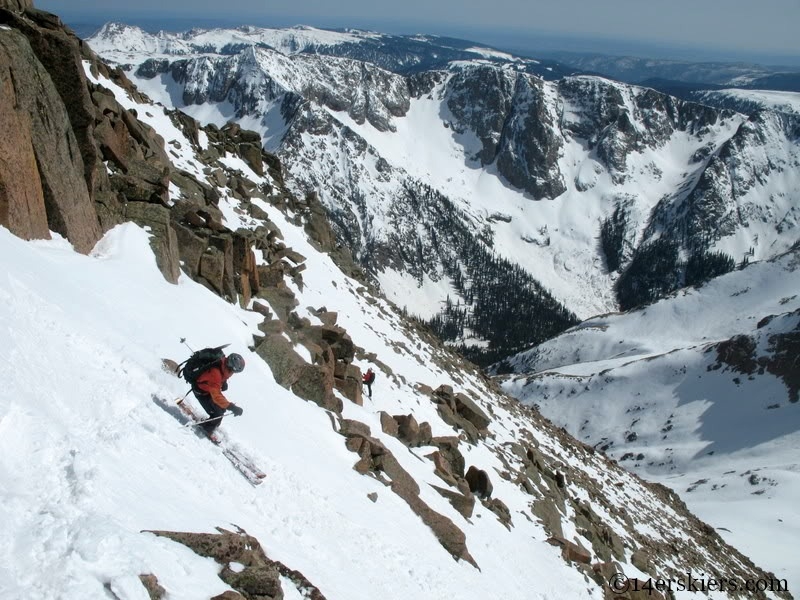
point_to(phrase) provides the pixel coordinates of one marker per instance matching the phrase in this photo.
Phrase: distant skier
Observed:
(210, 384)
(368, 378)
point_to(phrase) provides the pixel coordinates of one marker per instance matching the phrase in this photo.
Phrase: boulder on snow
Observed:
(479, 482)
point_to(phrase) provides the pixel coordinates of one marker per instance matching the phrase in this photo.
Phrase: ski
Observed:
(239, 459)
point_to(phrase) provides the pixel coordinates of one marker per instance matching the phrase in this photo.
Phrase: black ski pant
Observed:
(211, 408)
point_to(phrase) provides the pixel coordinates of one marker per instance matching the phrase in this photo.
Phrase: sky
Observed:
(702, 30)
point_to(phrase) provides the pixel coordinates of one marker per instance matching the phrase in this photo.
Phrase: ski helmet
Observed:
(235, 362)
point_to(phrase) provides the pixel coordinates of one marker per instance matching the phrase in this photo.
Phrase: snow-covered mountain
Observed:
(698, 391)
(169, 230)
(638, 70)
(431, 174)
(751, 101)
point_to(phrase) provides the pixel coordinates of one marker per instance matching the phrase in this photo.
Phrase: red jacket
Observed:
(211, 382)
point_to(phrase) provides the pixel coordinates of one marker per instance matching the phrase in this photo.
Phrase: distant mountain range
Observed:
(660, 73)
(472, 175)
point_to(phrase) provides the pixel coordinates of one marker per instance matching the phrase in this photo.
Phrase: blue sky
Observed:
(734, 28)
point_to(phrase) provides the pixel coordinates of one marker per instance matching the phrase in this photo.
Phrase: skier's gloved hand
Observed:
(236, 410)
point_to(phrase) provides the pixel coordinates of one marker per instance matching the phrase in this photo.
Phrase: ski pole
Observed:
(211, 420)
(183, 341)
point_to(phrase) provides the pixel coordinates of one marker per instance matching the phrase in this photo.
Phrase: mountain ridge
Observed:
(609, 146)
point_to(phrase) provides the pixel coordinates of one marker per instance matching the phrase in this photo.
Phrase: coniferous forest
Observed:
(500, 303)
(656, 270)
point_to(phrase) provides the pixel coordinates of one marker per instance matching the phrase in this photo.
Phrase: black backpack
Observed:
(200, 362)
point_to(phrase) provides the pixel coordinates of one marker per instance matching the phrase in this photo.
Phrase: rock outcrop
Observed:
(259, 579)
(48, 152)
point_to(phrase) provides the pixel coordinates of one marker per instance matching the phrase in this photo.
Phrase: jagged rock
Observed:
(327, 317)
(479, 482)
(425, 434)
(292, 255)
(224, 243)
(22, 208)
(449, 535)
(548, 512)
(53, 149)
(499, 508)
(193, 192)
(260, 578)
(388, 424)
(349, 427)
(471, 412)
(373, 496)
(641, 560)
(228, 595)
(463, 504)
(262, 309)
(509, 113)
(444, 391)
(318, 227)
(164, 240)
(350, 388)
(251, 153)
(212, 269)
(448, 448)
(374, 458)
(280, 298)
(571, 551)
(442, 468)
(191, 248)
(334, 336)
(272, 275)
(461, 412)
(452, 418)
(407, 429)
(154, 589)
(316, 383)
(60, 52)
(310, 382)
(255, 581)
(244, 267)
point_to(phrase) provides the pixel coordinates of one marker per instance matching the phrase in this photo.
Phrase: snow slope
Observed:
(89, 461)
(647, 387)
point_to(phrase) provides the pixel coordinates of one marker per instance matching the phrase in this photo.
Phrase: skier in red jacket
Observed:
(367, 380)
(209, 386)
